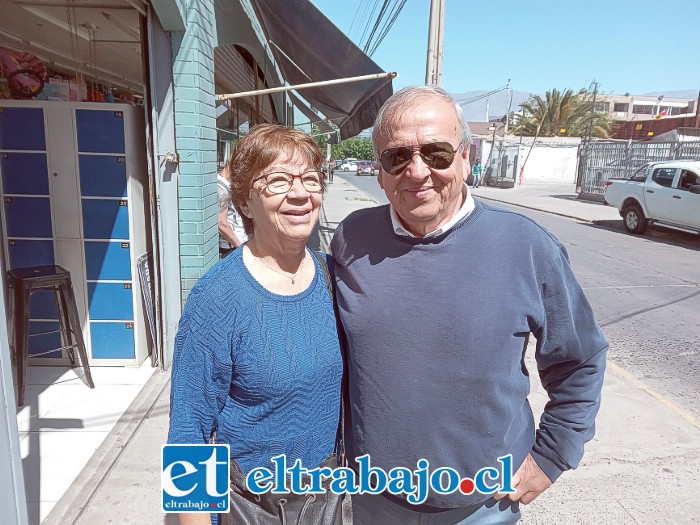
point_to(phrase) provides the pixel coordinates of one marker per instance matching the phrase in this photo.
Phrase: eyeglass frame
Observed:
(417, 149)
(264, 176)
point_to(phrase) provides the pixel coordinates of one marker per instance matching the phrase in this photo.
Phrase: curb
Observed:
(560, 214)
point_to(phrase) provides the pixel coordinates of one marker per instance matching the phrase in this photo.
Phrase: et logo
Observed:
(195, 478)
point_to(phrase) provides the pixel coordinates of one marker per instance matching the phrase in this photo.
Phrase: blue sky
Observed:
(627, 46)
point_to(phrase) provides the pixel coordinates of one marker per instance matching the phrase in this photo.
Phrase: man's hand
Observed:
(529, 482)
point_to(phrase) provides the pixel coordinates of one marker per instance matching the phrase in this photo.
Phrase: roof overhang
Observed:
(309, 48)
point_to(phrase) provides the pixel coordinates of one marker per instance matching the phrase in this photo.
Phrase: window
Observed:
(621, 107)
(640, 175)
(642, 109)
(664, 176)
(688, 179)
(602, 107)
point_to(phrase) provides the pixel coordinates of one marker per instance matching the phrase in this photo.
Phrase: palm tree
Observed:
(561, 113)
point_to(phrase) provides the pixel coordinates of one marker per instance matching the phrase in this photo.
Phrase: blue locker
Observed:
(24, 253)
(25, 173)
(106, 167)
(38, 344)
(42, 305)
(100, 131)
(102, 176)
(107, 261)
(112, 340)
(28, 216)
(22, 128)
(105, 219)
(110, 301)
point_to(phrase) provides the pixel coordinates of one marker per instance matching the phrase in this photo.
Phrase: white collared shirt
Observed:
(465, 210)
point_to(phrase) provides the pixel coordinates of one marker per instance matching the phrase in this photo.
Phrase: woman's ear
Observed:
(245, 210)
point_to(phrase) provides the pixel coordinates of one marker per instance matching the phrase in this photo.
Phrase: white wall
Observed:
(549, 164)
(552, 160)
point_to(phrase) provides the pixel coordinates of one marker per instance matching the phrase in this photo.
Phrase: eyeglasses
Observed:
(281, 182)
(437, 155)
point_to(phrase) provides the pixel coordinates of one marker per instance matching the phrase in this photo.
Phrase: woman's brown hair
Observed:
(264, 145)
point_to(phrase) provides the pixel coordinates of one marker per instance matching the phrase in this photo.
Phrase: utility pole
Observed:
(505, 132)
(510, 101)
(433, 63)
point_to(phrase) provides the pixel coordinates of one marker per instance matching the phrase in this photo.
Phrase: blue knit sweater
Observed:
(262, 368)
(437, 331)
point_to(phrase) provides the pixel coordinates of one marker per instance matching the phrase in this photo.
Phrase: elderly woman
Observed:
(257, 356)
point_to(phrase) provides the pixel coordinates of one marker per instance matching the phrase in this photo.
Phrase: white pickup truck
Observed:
(663, 192)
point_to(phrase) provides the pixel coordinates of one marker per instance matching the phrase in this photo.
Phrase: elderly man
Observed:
(436, 345)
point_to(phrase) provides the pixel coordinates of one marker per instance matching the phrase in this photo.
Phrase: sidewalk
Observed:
(559, 199)
(643, 467)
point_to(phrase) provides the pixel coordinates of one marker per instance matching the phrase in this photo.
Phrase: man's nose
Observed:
(417, 168)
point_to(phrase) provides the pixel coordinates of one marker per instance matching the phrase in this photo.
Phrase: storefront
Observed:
(110, 139)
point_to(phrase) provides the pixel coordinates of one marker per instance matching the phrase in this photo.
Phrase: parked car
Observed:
(663, 192)
(348, 165)
(364, 167)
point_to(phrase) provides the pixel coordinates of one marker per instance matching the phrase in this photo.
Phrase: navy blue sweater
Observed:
(437, 331)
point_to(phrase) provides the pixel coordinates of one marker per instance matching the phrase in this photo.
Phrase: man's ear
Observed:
(380, 177)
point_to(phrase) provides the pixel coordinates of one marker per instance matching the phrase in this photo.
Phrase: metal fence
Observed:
(601, 161)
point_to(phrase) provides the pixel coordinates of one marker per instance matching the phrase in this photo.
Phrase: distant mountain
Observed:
(475, 110)
(690, 94)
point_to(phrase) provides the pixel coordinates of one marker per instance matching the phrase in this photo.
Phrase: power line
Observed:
(354, 18)
(376, 25)
(388, 26)
(368, 22)
(466, 101)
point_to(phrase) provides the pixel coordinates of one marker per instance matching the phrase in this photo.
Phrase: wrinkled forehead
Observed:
(290, 160)
(423, 120)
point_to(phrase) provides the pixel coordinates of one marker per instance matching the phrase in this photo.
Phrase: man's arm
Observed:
(570, 354)
(226, 230)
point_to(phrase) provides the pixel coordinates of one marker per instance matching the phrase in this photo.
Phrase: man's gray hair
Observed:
(407, 98)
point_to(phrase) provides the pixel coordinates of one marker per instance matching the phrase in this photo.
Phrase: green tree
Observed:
(355, 147)
(561, 113)
(320, 137)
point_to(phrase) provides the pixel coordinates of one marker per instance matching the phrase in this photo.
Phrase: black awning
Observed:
(309, 48)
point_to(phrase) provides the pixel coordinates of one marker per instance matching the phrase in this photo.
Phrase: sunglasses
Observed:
(436, 155)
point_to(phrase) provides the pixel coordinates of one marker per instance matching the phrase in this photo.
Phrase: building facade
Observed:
(170, 62)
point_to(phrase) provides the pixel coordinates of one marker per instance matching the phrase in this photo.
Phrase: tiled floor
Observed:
(63, 422)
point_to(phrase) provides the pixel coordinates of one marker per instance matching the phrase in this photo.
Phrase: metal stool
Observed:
(24, 281)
